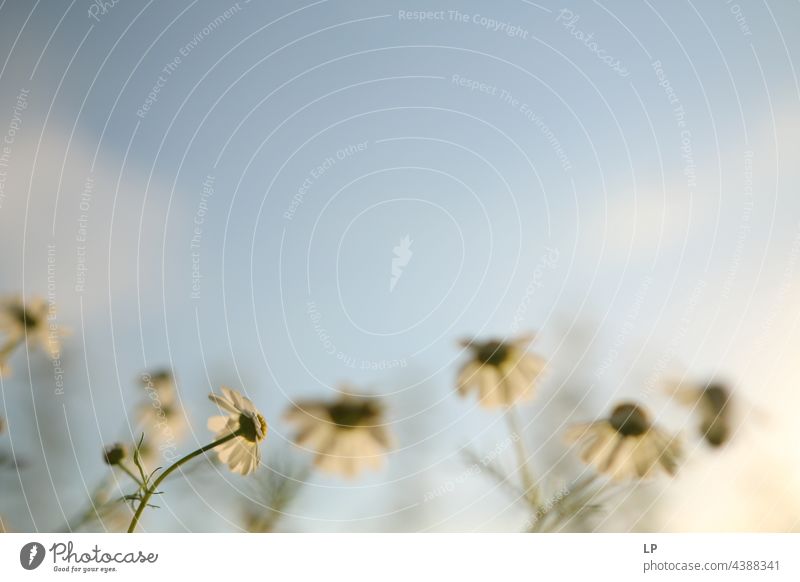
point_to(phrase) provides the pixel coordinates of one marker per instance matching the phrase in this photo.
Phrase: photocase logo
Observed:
(402, 255)
(31, 555)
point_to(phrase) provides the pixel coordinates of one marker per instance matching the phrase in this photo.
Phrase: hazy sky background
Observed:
(643, 216)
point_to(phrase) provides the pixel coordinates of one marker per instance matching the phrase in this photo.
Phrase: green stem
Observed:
(149, 492)
(531, 491)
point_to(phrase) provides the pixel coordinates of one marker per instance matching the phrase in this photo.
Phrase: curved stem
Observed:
(528, 482)
(149, 492)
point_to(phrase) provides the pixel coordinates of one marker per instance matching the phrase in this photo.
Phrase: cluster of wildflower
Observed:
(349, 434)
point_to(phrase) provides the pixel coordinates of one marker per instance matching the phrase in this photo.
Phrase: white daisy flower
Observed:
(347, 435)
(241, 454)
(503, 373)
(626, 445)
(712, 403)
(27, 322)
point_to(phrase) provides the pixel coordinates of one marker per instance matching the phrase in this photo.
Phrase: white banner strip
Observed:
(401, 557)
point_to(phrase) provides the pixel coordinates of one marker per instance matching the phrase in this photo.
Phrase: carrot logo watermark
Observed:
(402, 256)
(31, 555)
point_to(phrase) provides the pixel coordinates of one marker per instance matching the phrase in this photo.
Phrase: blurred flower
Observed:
(162, 381)
(626, 445)
(347, 435)
(241, 454)
(162, 418)
(115, 454)
(27, 322)
(503, 373)
(712, 403)
(3, 528)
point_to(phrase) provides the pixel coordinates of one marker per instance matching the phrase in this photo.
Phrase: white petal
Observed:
(490, 389)
(223, 403)
(317, 437)
(576, 432)
(532, 366)
(623, 466)
(517, 386)
(233, 397)
(468, 377)
(217, 424)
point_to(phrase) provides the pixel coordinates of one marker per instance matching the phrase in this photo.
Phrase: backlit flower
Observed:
(712, 403)
(346, 435)
(503, 373)
(626, 445)
(242, 453)
(27, 322)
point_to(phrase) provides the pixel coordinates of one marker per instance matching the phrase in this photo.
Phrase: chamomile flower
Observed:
(347, 435)
(626, 445)
(242, 453)
(503, 373)
(712, 403)
(238, 436)
(161, 416)
(22, 321)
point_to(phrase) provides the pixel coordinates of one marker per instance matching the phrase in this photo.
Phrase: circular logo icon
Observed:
(31, 555)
